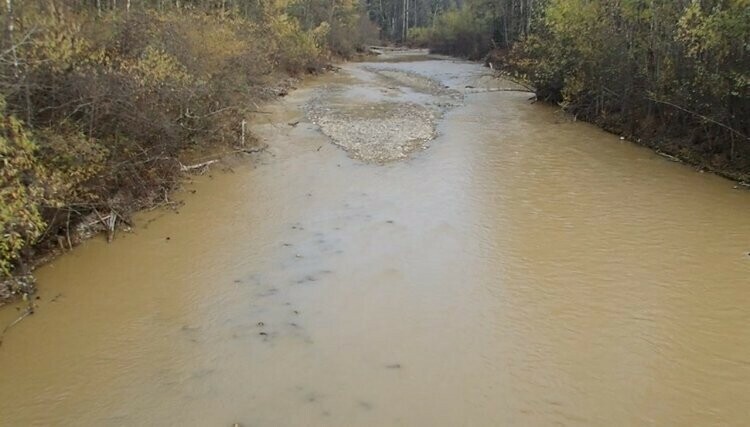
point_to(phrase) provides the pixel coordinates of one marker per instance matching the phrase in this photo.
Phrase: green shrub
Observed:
(21, 192)
(343, 24)
(296, 50)
(419, 37)
(456, 32)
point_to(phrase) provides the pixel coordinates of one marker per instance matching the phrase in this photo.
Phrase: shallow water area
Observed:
(510, 268)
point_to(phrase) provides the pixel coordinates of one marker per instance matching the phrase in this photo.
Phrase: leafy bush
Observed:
(340, 26)
(456, 32)
(21, 192)
(419, 37)
(296, 50)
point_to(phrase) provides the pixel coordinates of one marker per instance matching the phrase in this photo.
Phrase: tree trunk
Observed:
(403, 20)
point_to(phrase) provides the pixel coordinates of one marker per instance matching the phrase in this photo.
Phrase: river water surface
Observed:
(519, 269)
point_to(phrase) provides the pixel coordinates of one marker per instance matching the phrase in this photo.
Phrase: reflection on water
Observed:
(524, 270)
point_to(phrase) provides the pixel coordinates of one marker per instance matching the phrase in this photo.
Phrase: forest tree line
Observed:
(98, 99)
(672, 74)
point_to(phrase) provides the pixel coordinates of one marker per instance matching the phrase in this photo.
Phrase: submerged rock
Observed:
(16, 286)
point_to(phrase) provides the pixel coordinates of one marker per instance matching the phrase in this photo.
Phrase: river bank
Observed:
(703, 156)
(681, 150)
(119, 207)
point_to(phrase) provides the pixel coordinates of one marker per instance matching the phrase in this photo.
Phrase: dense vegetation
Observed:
(98, 98)
(673, 74)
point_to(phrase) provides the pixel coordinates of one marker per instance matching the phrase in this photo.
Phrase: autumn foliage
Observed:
(99, 100)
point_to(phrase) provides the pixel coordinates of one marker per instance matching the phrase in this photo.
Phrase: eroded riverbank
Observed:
(522, 270)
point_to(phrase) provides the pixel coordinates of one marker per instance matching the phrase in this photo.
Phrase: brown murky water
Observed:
(522, 270)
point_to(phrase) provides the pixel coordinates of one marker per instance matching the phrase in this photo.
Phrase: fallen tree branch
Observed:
(513, 79)
(235, 107)
(102, 219)
(252, 150)
(202, 165)
(497, 89)
(122, 218)
(111, 226)
(67, 232)
(187, 168)
(706, 118)
(28, 312)
(669, 156)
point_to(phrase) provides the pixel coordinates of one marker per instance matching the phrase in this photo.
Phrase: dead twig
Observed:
(122, 217)
(668, 156)
(103, 220)
(111, 226)
(28, 312)
(67, 232)
(252, 150)
(496, 89)
(187, 168)
(507, 76)
(221, 110)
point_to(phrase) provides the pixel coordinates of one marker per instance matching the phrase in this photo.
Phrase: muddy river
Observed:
(420, 246)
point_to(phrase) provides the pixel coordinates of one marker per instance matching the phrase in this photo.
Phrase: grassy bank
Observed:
(99, 101)
(672, 75)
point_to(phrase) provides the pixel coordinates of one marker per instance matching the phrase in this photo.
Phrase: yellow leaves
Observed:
(20, 192)
(45, 171)
(157, 67)
(299, 49)
(717, 33)
(59, 46)
(70, 159)
(321, 32)
(716, 41)
(211, 44)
